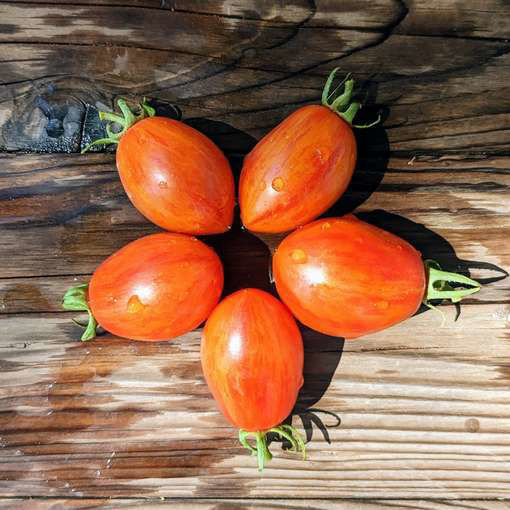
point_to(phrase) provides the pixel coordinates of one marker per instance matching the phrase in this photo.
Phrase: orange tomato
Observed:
(297, 171)
(254, 369)
(252, 359)
(344, 277)
(176, 177)
(154, 288)
(303, 166)
(173, 174)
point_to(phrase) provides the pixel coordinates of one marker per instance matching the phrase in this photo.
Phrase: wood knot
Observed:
(472, 425)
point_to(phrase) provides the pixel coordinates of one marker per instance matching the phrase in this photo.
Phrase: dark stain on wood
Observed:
(81, 404)
(17, 293)
(51, 117)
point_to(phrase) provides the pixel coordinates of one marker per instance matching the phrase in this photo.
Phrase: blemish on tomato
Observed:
(134, 305)
(320, 156)
(163, 184)
(326, 225)
(382, 305)
(278, 184)
(298, 256)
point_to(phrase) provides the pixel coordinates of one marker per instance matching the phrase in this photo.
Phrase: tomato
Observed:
(252, 359)
(302, 167)
(155, 288)
(344, 277)
(173, 174)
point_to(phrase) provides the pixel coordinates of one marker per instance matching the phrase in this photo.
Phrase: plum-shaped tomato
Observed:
(301, 168)
(155, 288)
(173, 174)
(344, 277)
(252, 358)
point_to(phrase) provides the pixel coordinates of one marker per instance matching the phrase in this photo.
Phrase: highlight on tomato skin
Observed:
(347, 278)
(252, 359)
(173, 174)
(155, 288)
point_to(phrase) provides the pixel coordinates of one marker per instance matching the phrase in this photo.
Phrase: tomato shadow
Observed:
(245, 257)
(373, 155)
(432, 246)
(322, 357)
(234, 143)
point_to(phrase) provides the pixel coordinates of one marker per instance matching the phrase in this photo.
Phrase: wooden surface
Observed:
(413, 417)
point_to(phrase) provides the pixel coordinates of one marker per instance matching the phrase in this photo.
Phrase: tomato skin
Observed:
(297, 171)
(253, 369)
(157, 287)
(176, 177)
(344, 277)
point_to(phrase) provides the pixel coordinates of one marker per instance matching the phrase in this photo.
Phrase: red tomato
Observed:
(344, 277)
(301, 168)
(176, 177)
(173, 174)
(297, 171)
(155, 288)
(252, 358)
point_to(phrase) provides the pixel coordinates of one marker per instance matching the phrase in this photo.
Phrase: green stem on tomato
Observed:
(438, 284)
(126, 120)
(343, 105)
(262, 451)
(76, 299)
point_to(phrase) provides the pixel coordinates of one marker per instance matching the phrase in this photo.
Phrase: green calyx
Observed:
(341, 103)
(262, 451)
(126, 120)
(76, 299)
(438, 284)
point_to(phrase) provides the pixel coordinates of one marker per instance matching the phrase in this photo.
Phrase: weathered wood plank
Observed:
(475, 87)
(216, 35)
(249, 504)
(473, 18)
(255, 74)
(470, 19)
(423, 409)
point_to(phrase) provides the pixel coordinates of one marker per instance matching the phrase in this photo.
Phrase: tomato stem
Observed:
(76, 299)
(126, 120)
(342, 104)
(438, 284)
(262, 451)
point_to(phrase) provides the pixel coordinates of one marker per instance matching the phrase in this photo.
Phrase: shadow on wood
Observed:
(234, 143)
(322, 356)
(373, 155)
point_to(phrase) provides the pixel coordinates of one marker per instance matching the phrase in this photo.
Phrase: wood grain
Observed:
(249, 504)
(423, 407)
